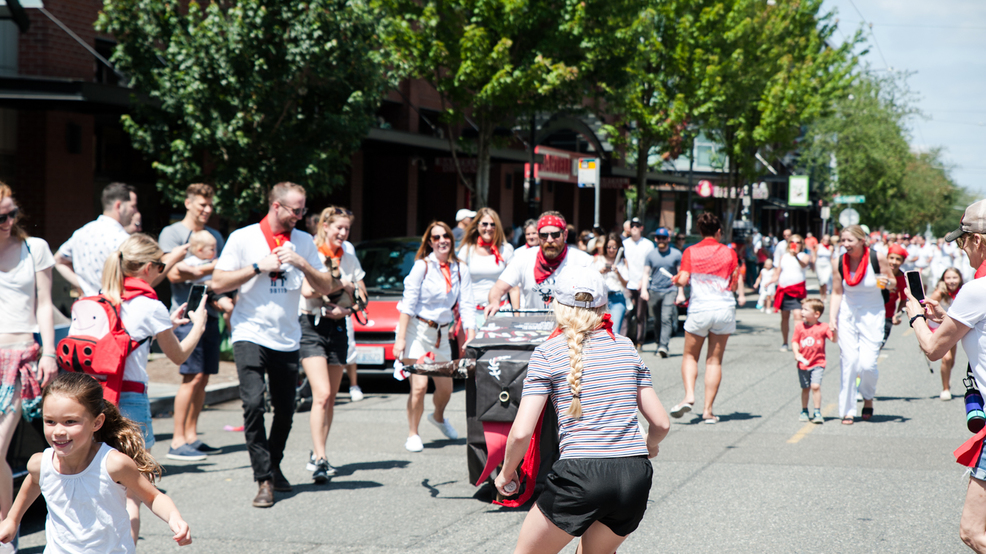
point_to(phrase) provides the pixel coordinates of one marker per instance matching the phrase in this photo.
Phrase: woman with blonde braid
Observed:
(598, 489)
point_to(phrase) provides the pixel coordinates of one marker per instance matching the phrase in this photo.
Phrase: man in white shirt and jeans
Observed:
(635, 250)
(268, 262)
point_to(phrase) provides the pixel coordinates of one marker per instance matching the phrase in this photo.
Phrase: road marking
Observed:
(909, 332)
(809, 427)
(881, 358)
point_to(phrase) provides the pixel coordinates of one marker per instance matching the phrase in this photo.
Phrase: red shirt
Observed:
(891, 305)
(811, 343)
(811, 243)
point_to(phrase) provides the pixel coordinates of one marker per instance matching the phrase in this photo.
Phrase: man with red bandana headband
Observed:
(534, 272)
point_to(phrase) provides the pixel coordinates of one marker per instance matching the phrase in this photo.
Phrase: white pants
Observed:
(860, 335)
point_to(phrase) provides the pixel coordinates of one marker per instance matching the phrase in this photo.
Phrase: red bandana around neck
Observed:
(447, 273)
(606, 325)
(326, 251)
(134, 287)
(981, 272)
(273, 241)
(543, 267)
(492, 247)
(864, 263)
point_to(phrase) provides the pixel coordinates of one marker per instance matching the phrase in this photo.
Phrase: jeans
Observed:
(281, 368)
(661, 308)
(617, 309)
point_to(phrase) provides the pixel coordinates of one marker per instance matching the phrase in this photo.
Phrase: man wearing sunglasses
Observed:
(534, 272)
(268, 263)
(635, 250)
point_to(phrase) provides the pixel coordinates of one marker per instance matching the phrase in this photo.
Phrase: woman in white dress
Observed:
(486, 253)
(822, 259)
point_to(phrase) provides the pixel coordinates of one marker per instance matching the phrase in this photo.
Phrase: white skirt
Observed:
(420, 340)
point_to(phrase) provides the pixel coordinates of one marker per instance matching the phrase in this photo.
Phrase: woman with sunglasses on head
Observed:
(858, 317)
(437, 282)
(324, 335)
(614, 275)
(127, 275)
(486, 253)
(25, 309)
(790, 275)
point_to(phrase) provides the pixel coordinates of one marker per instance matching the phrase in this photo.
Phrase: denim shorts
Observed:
(136, 407)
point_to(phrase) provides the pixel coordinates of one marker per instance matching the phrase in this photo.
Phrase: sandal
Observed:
(848, 420)
(867, 414)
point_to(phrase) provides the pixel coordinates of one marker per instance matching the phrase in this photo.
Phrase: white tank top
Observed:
(87, 512)
(865, 296)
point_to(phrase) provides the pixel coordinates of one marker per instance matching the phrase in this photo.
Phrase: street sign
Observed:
(589, 172)
(826, 212)
(857, 199)
(849, 217)
(797, 190)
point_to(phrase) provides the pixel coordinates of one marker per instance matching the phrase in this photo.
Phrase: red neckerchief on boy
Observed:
(273, 240)
(492, 248)
(864, 262)
(134, 287)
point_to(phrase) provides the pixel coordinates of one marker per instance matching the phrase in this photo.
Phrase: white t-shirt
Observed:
(969, 309)
(925, 253)
(635, 254)
(266, 311)
(520, 272)
(791, 271)
(142, 317)
(18, 288)
(88, 249)
(613, 283)
(484, 270)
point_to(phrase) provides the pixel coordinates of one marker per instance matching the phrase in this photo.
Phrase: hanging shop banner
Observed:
(797, 190)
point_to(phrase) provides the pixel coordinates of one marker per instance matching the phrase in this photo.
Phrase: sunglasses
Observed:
(662, 239)
(12, 214)
(959, 241)
(439, 237)
(299, 212)
(340, 211)
(159, 265)
(487, 224)
(550, 234)
(636, 225)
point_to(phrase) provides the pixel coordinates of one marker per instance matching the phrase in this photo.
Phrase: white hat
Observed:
(573, 280)
(973, 221)
(464, 213)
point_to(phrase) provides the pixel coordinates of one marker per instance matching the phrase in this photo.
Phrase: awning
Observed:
(14, 9)
(40, 93)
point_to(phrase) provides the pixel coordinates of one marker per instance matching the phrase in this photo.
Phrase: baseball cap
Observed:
(636, 221)
(464, 213)
(973, 221)
(573, 280)
(661, 232)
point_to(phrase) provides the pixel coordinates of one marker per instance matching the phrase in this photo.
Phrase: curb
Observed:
(213, 395)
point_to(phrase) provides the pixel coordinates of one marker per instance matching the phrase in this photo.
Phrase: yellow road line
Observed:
(809, 427)
(909, 332)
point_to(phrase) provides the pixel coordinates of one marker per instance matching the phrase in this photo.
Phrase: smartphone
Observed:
(195, 298)
(915, 284)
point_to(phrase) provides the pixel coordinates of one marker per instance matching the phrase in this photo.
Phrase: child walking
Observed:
(766, 299)
(808, 345)
(96, 457)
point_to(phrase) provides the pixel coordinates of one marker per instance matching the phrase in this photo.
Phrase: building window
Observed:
(104, 74)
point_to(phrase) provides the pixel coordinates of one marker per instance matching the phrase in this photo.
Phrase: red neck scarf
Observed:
(273, 241)
(981, 272)
(492, 247)
(606, 324)
(326, 251)
(447, 273)
(543, 267)
(864, 263)
(134, 287)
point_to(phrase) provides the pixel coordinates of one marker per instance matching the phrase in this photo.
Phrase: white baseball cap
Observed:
(464, 213)
(573, 280)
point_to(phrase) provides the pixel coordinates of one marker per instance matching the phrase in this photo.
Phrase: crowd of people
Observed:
(286, 297)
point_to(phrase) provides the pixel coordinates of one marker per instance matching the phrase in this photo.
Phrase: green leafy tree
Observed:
(249, 93)
(491, 61)
(929, 195)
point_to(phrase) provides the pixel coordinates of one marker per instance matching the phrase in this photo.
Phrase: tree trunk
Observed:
(483, 164)
(643, 150)
(731, 202)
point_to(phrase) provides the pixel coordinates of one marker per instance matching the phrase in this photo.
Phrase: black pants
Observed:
(252, 362)
(639, 330)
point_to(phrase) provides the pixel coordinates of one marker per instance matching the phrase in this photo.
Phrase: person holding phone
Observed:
(609, 262)
(857, 318)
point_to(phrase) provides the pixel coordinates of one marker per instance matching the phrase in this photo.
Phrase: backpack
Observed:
(97, 344)
(875, 264)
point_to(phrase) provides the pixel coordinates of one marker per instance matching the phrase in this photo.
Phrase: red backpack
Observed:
(98, 344)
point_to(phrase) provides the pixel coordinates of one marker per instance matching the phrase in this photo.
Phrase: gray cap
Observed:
(573, 280)
(973, 221)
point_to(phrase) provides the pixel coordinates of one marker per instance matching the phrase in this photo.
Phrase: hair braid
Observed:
(577, 324)
(575, 344)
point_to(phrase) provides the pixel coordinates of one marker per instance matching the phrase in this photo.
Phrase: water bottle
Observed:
(975, 418)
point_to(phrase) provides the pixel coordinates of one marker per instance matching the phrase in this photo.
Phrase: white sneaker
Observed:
(414, 444)
(946, 395)
(445, 427)
(355, 393)
(785, 348)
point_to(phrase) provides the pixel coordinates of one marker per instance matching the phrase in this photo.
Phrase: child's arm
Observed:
(756, 283)
(796, 349)
(123, 470)
(29, 492)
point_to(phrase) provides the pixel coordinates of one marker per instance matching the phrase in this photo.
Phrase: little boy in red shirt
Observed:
(808, 346)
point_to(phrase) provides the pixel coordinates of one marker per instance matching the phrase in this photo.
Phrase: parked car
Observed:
(386, 263)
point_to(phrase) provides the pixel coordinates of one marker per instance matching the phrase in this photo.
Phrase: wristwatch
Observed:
(256, 269)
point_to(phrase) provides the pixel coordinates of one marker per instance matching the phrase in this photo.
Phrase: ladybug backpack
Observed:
(98, 344)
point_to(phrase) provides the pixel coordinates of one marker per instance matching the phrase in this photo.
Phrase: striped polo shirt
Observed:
(612, 372)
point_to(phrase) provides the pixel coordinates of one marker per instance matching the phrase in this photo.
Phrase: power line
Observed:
(875, 42)
(916, 26)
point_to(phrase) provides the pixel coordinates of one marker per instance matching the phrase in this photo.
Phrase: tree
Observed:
(774, 71)
(246, 94)
(492, 61)
(928, 195)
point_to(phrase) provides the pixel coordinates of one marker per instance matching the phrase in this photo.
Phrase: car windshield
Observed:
(386, 265)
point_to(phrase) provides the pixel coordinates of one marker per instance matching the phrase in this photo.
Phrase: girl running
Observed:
(96, 457)
(944, 293)
(598, 489)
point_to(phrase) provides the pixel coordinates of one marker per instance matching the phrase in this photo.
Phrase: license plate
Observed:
(369, 355)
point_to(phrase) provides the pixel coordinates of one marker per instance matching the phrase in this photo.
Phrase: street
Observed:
(759, 481)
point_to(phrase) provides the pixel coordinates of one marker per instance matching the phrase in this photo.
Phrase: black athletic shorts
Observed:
(328, 340)
(582, 491)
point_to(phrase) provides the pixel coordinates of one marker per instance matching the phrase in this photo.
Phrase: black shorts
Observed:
(789, 304)
(205, 357)
(329, 340)
(582, 491)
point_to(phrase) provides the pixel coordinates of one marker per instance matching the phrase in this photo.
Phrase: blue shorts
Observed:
(136, 407)
(205, 357)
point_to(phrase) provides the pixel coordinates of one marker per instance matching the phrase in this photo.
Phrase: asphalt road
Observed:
(759, 481)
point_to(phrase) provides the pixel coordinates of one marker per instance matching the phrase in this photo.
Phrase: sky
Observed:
(943, 43)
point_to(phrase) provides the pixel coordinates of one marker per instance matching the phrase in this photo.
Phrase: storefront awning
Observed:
(39, 93)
